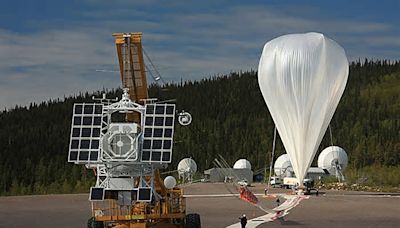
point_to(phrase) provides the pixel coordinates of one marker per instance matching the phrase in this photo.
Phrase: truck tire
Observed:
(92, 223)
(193, 221)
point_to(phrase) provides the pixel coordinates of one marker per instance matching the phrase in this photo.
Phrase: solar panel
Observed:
(85, 133)
(158, 133)
(144, 194)
(96, 194)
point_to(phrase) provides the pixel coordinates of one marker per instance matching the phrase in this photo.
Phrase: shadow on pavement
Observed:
(284, 222)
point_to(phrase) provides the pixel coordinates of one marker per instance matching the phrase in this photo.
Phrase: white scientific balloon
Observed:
(170, 182)
(242, 164)
(302, 77)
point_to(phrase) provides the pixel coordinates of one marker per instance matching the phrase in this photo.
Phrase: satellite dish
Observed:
(170, 182)
(187, 165)
(302, 77)
(184, 118)
(282, 165)
(186, 168)
(242, 164)
(334, 159)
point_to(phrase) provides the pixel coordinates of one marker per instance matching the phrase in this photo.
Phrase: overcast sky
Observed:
(51, 48)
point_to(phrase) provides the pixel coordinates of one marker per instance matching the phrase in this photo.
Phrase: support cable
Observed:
(156, 77)
(272, 160)
(330, 132)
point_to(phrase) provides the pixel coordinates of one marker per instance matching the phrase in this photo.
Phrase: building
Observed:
(228, 175)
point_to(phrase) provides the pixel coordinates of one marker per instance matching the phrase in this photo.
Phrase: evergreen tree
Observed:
(229, 118)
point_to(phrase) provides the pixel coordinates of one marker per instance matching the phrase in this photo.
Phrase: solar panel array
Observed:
(85, 133)
(158, 133)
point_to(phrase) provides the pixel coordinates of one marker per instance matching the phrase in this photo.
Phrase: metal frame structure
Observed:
(157, 121)
(128, 153)
(131, 183)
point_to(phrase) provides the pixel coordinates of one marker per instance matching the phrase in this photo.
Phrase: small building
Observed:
(228, 175)
(316, 173)
(313, 173)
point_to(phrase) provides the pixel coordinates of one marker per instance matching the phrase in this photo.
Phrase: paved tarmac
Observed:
(217, 209)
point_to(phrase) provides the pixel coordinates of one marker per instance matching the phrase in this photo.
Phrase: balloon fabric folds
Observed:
(302, 77)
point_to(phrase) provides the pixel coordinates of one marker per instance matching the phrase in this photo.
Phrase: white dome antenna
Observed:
(170, 182)
(186, 168)
(333, 159)
(242, 164)
(283, 166)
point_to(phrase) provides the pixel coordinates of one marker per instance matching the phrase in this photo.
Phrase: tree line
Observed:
(229, 118)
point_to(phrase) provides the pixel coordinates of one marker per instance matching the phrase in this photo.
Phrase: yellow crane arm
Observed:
(131, 64)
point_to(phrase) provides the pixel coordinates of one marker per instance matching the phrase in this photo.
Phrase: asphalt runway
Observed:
(217, 209)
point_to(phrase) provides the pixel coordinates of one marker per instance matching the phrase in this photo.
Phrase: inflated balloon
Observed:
(302, 77)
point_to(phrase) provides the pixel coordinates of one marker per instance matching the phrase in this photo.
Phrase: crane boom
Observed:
(131, 64)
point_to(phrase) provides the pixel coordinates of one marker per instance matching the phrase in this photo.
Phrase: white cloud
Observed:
(379, 41)
(54, 62)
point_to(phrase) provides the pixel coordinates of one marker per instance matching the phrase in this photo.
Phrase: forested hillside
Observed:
(229, 118)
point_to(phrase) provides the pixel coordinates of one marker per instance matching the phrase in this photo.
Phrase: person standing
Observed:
(243, 220)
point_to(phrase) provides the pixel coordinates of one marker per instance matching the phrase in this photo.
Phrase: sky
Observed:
(55, 48)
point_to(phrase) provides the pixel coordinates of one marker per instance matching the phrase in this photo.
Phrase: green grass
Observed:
(371, 178)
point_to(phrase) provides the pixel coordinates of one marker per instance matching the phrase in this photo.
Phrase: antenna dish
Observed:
(334, 159)
(170, 182)
(186, 168)
(242, 164)
(187, 165)
(282, 165)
